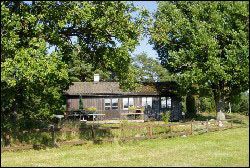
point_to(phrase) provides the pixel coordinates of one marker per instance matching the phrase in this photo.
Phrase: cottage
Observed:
(109, 99)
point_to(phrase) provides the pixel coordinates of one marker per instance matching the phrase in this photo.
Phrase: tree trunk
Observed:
(220, 105)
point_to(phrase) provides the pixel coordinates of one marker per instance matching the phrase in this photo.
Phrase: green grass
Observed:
(221, 148)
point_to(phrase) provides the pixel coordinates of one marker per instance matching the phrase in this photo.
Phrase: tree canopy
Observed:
(149, 69)
(33, 79)
(204, 43)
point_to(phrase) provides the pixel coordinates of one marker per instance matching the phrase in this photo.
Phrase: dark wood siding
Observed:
(98, 102)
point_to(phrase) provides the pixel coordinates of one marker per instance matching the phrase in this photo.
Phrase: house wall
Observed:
(98, 102)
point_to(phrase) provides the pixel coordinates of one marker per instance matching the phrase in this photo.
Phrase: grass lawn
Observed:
(222, 148)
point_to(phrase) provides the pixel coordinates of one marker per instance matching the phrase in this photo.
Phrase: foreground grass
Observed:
(224, 148)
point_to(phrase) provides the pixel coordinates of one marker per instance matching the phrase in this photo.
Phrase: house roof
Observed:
(113, 88)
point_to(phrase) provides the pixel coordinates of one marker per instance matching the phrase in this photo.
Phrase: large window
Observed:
(127, 102)
(168, 102)
(114, 103)
(147, 102)
(107, 104)
(163, 102)
(111, 103)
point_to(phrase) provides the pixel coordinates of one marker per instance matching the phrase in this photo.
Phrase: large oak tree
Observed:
(33, 79)
(205, 44)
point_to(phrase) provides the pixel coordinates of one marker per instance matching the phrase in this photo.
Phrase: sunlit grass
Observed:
(222, 148)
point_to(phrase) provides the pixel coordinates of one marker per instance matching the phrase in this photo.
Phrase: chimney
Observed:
(96, 78)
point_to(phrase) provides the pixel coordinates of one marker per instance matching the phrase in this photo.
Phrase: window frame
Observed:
(168, 98)
(105, 104)
(147, 100)
(128, 102)
(116, 107)
(165, 100)
(111, 107)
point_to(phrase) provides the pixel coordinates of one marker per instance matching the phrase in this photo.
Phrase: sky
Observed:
(151, 6)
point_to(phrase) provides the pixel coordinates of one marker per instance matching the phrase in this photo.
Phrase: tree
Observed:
(205, 43)
(149, 69)
(33, 80)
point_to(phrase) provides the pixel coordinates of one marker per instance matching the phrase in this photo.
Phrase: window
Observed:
(115, 103)
(111, 103)
(144, 101)
(163, 102)
(168, 102)
(131, 101)
(107, 104)
(127, 102)
(147, 102)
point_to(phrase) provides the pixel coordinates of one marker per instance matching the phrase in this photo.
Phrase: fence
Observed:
(124, 132)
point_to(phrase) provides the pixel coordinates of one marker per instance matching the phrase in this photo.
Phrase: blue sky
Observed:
(144, 46)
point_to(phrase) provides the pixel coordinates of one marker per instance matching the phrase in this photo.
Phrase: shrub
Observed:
(131, 108)
(90, 109)
(190, 106)
(166, 116)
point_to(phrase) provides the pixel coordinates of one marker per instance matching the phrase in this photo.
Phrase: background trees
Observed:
(149, 69)
(205, 43)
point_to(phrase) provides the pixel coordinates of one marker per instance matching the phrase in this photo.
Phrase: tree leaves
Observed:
(196, 37)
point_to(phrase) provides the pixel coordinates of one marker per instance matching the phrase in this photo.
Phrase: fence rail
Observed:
(132, 132)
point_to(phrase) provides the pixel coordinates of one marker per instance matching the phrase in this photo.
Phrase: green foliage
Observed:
(190, 106)
(80, 103)
(207, 104)
(131, 108)
(90, 109)
(205, 43)
(240, 104)
(33, 80)
(149, 69)
(166, 116)
(232, 151)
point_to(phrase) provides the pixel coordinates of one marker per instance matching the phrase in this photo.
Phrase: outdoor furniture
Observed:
(96, 115)
(133, 114)
(77, 115)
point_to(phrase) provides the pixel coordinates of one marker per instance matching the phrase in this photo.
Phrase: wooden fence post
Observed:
(52, 129)
(171, 131)
(122, 132)
(149, 128)
(93, 132)
(191, 128)
(151, 131)
(207, 125)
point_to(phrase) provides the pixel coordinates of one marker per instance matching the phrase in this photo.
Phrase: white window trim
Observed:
(112, 104)
(147, 100)
(129, 105)
(168, 98)
(105, 104)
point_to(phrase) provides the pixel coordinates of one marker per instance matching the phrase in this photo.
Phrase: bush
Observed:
(166, 117)
(240, 103)
(131, 108)
(207, 105)
(90, 109)
(190, 106)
